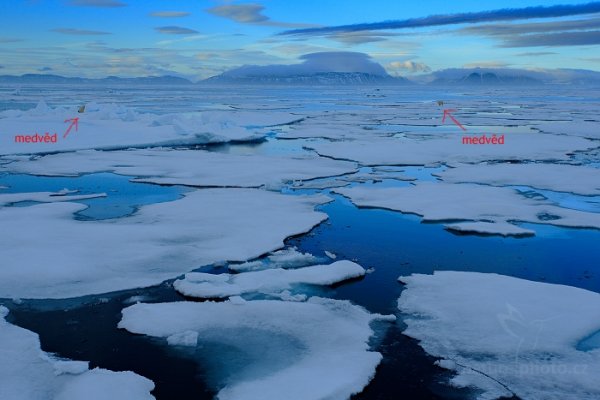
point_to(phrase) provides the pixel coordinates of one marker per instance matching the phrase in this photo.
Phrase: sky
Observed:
(197, 39)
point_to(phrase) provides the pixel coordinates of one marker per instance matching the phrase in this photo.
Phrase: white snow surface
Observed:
(48, 254)
(187, 167)
(109, 126)
(557, 177)
(497, 206)
(505, 335)
(28, 373)
(205, 285)
(324, 343)
(421, 150)
(285, 258)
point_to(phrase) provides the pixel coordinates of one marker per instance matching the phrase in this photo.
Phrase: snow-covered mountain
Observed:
(318, 78)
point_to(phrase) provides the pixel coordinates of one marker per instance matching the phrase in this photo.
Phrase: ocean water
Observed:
(392, 243)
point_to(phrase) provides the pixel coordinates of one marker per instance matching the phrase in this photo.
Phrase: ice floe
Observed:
(557, 177)
(449, 149)
(285, 258)
(588, 129)
(28, 373)
(505, 335)
(48, 254)
(207, 286)
(116, 127)
(187, 167)
(492, 207)
(310, 350)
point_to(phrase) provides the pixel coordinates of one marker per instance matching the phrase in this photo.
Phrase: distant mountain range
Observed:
(318, 78)
(53, 79)
(469, 77)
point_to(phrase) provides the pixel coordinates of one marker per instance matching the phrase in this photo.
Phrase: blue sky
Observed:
(201, 38)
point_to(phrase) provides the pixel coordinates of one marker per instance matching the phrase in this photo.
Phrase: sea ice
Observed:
(557, 177)
(28, 373)
(505, 335)
(493, 206)
(449, 149)
(285, 258)
(48, 254)
(292, 350)
(116, 127)
(187, 167)
(207, 286)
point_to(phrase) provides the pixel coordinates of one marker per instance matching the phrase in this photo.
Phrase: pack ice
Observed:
(506, 336)
(477, 208)
(110, 126)
(49, 254)
(187, 167)
(28, 373)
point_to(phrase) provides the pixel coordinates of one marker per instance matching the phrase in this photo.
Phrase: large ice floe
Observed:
(46, 253)
(507, 336)
(28, 373)
(557, 177)
(470, 207)
(187, 167)
(422, 150)
(310, 350)
(116, 127)
(204, 285)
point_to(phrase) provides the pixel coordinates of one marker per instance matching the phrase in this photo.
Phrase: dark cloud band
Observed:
(507, 14)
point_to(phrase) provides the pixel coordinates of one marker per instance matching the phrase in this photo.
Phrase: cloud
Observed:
(535, 53)
(535, 27)
(9, 40)
(554, 39)
(410, 66)
(486, 64)
(250, 13)
(175, 30)
(506, 14)
(359, 37)
(334, 61)
(97, 3)
(84, 32)
(170, 14)
(44, 69)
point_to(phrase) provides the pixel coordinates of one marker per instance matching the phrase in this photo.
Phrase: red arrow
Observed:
(74, 122)
(448, 112)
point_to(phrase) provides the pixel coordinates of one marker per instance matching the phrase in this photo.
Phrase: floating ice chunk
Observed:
(444, 149)
(556, 177)
(285, 356)
(187, 167)
(48, 254)
(28, 373)
(506, 335)
(438, 201)
(204, 285)
(285, 258)
(489, 228)
(44, 197)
